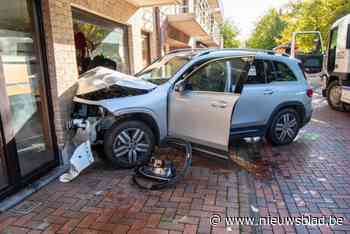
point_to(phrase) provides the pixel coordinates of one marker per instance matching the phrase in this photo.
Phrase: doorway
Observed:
(27, 148)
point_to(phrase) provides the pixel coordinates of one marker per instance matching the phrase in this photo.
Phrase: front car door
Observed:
(202, 112)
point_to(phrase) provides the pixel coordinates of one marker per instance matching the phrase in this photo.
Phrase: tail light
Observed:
(309, 93)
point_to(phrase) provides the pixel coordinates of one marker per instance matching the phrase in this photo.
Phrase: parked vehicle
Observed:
(336, 81)
(194, 95)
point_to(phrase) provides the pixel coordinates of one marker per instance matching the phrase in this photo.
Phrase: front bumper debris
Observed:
(82, 156)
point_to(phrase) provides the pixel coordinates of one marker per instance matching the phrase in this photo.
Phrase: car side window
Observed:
(211, 77)
(269, 70)
(256, 74)
(283, 72)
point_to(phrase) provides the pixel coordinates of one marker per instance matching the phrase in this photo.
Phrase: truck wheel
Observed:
(129, 144)
(284, 127)
(334, 95)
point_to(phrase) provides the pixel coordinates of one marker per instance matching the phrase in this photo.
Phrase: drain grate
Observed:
(26, 207)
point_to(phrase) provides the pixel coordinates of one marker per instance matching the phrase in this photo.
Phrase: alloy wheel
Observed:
(286, 127)
(131, 145)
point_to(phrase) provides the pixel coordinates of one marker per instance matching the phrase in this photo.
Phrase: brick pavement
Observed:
(310, 176)
(103, 200)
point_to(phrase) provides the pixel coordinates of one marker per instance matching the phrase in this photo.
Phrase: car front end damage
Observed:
(98, 89)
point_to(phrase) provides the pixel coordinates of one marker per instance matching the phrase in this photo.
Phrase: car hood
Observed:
(101, 78)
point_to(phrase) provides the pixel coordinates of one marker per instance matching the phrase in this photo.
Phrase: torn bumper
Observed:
(82, 156)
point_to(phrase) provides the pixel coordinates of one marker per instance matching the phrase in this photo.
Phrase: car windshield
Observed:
(165, 68)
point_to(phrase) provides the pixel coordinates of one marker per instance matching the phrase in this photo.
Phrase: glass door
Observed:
(24, 107)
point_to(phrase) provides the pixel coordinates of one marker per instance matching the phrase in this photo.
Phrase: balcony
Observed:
(213, 39)
(152, 3)
(217, 10)
(193, 20)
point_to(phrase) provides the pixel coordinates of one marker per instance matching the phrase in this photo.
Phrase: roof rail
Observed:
(187, 50)
(210, 50)
(247, 50)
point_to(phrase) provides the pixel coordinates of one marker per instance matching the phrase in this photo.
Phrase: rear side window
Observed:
(283, 72)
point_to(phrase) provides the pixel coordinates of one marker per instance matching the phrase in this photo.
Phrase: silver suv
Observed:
(204, 96)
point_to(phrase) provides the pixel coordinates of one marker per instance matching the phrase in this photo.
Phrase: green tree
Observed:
(268, 30)
(229, 32)
(313, 15)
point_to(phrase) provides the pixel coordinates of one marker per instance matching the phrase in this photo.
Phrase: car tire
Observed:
(334, 95)
(129, 144)
(284, 127)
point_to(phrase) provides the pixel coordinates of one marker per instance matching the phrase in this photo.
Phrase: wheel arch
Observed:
(296, 105)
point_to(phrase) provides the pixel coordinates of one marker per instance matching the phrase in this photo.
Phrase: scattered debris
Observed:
(254, 209)
(82, 156)
(26, 207)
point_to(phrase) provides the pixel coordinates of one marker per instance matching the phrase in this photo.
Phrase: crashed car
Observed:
(191, 95)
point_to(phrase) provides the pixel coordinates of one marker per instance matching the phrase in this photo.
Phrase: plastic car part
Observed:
(160, 174)
(82, 156)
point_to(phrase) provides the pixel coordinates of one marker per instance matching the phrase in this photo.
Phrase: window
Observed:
(237, 67)
(256, 74)
(164, 69)
(212, 77)
(100, 42)
(146, 51)
(283, 73)
(334, 38)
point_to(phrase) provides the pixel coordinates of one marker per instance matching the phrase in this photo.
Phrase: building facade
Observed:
(46, 44)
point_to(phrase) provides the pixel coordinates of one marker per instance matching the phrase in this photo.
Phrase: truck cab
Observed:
(336, 81)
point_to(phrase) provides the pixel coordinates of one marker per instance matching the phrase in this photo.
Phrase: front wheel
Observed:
(284, 127)
(129, 144)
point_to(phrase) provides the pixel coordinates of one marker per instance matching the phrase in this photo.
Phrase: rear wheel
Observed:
(129, 144)
(284, 127)
(334, 96)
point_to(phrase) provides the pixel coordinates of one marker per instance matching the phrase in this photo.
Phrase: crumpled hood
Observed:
(101, 78)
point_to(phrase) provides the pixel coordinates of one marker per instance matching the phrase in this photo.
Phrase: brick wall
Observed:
(59, 35)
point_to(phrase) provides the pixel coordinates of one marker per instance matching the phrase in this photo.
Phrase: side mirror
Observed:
(180, 86)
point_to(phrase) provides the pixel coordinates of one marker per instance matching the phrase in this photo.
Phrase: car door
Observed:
(201, 112)
(253, 108)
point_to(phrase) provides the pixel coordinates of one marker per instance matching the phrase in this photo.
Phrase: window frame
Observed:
(348, 38)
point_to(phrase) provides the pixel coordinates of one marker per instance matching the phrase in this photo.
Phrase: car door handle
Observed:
(219, 104)
(268, 92)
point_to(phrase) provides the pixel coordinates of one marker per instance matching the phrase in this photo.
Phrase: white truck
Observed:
(333, 67)
(336, 81)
